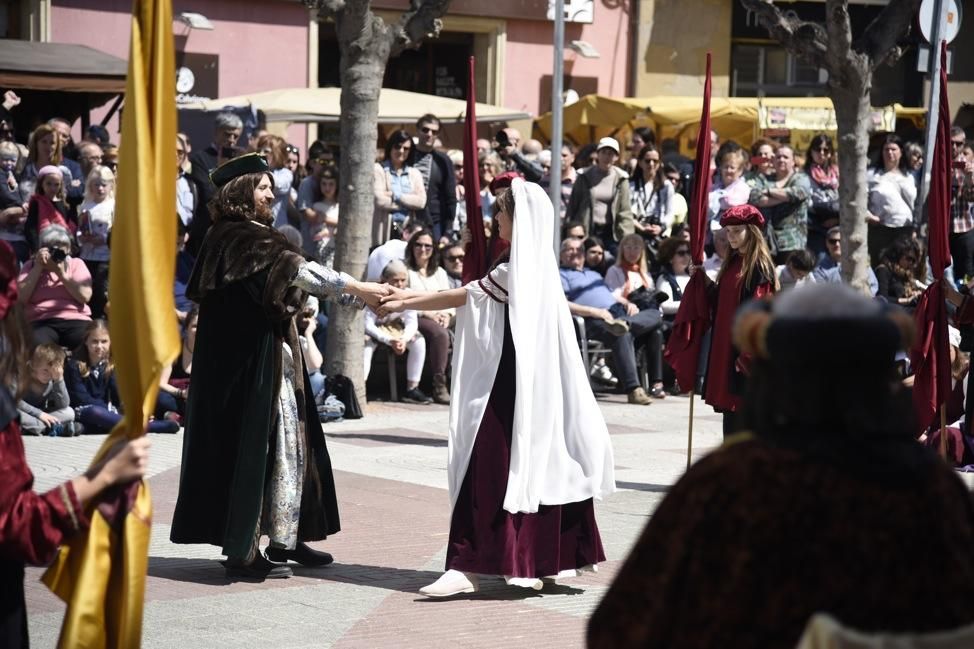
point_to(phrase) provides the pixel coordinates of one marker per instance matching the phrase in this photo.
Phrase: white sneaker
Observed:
(524, 582)
(452, 582)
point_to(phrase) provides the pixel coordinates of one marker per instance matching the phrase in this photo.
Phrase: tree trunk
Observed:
(365, 51)
(852, 114)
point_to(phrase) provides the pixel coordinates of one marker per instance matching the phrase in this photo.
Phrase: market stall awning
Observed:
(735, 118)
(324, 105)
(62, 67)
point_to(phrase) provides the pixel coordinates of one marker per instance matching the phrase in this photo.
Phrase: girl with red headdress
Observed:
(747, 273)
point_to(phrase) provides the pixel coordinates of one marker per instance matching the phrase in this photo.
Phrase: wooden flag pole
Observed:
(943, 430)
(690, 433)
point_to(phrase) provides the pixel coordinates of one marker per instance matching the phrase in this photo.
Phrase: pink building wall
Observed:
(529, 57)
(261, 45)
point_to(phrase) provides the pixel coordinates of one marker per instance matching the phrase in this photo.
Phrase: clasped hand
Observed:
(393, 302)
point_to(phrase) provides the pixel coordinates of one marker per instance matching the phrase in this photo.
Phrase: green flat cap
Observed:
(246, 164)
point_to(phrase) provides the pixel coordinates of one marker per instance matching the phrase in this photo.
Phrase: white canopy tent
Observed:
(324, 105)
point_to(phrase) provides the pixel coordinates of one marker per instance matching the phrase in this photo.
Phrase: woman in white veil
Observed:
(528, 448)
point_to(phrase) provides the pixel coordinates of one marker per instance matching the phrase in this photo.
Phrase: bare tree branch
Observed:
(806, 39)
(880, 38)
(421, 21)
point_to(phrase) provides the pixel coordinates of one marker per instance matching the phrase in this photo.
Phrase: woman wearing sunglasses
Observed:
(823, 175)
(399, 188)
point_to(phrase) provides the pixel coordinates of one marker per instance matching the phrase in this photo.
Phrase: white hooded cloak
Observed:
(560, 451)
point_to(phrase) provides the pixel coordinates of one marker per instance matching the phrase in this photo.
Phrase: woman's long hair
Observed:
(277, 145)
(80, 355)
(33, 143)
(235, 200)
(637, 174)
(14, 350)
(434, 261)
(756, 257)
(641, 262)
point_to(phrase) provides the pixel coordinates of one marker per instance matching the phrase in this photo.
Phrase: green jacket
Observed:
(620, 213)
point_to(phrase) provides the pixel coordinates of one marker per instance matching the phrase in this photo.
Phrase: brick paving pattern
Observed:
(390, 470)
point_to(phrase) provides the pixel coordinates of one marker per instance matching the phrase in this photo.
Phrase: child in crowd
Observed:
(44, 405)
(797, 270)
(47, 206)
(90, 378)
(326, 218)
(13, 202)
(95, 217)
(400, 331)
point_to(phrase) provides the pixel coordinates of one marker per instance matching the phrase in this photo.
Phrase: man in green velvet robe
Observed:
(254, 455)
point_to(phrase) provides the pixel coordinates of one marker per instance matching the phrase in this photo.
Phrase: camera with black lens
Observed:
(58, 255)
(502, 140)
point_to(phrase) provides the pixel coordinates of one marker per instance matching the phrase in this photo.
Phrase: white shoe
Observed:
(452, 582)
(524, 582)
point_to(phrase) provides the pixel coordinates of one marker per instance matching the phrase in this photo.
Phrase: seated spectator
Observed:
(96, 214)
(44, 407)
(897, 271)
(607, 319)
(395, 248)
(307, 323)
(425, 274)
(452, 260)
(174, 381)
(797, 271)
(595, 257)
(55, 289)
(46, 206)
(829, 269)
(712, 264)
(400, 332)
(399, 189)
(828, 505)
(729, 189)
(630, 283)
(674, 256)
(90, 379)
(14, 198)
(573, 230)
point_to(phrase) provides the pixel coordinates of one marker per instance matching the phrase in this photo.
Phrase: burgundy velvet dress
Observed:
(484, 537)
(32, 525)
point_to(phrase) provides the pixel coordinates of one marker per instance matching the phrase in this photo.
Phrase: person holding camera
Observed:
(55, 289)
(897, 272)
(507, 145)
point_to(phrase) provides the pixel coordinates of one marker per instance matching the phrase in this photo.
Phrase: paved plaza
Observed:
(390, 470)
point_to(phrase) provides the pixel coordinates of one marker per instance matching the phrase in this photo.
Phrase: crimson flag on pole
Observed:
(475, 262)
(693, 318)
(930, 355)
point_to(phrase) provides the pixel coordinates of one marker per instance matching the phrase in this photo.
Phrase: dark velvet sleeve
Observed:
(32, 525)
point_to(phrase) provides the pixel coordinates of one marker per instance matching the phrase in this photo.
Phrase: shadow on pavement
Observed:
(643, 486)
(389, 439)
(197, 571)
(494, 589)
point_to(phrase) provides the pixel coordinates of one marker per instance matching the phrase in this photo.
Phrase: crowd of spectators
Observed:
(624, 254)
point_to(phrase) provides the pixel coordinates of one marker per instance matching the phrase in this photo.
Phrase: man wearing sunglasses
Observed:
(829, 268)
(437, 171)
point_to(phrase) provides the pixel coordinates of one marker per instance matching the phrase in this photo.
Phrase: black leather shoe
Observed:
(257, 570)
(300, 554)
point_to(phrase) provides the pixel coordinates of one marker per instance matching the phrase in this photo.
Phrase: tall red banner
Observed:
(475, 262)
(693, 318)
(930, 355)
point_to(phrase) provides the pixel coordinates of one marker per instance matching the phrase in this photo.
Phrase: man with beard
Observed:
(254, 456)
